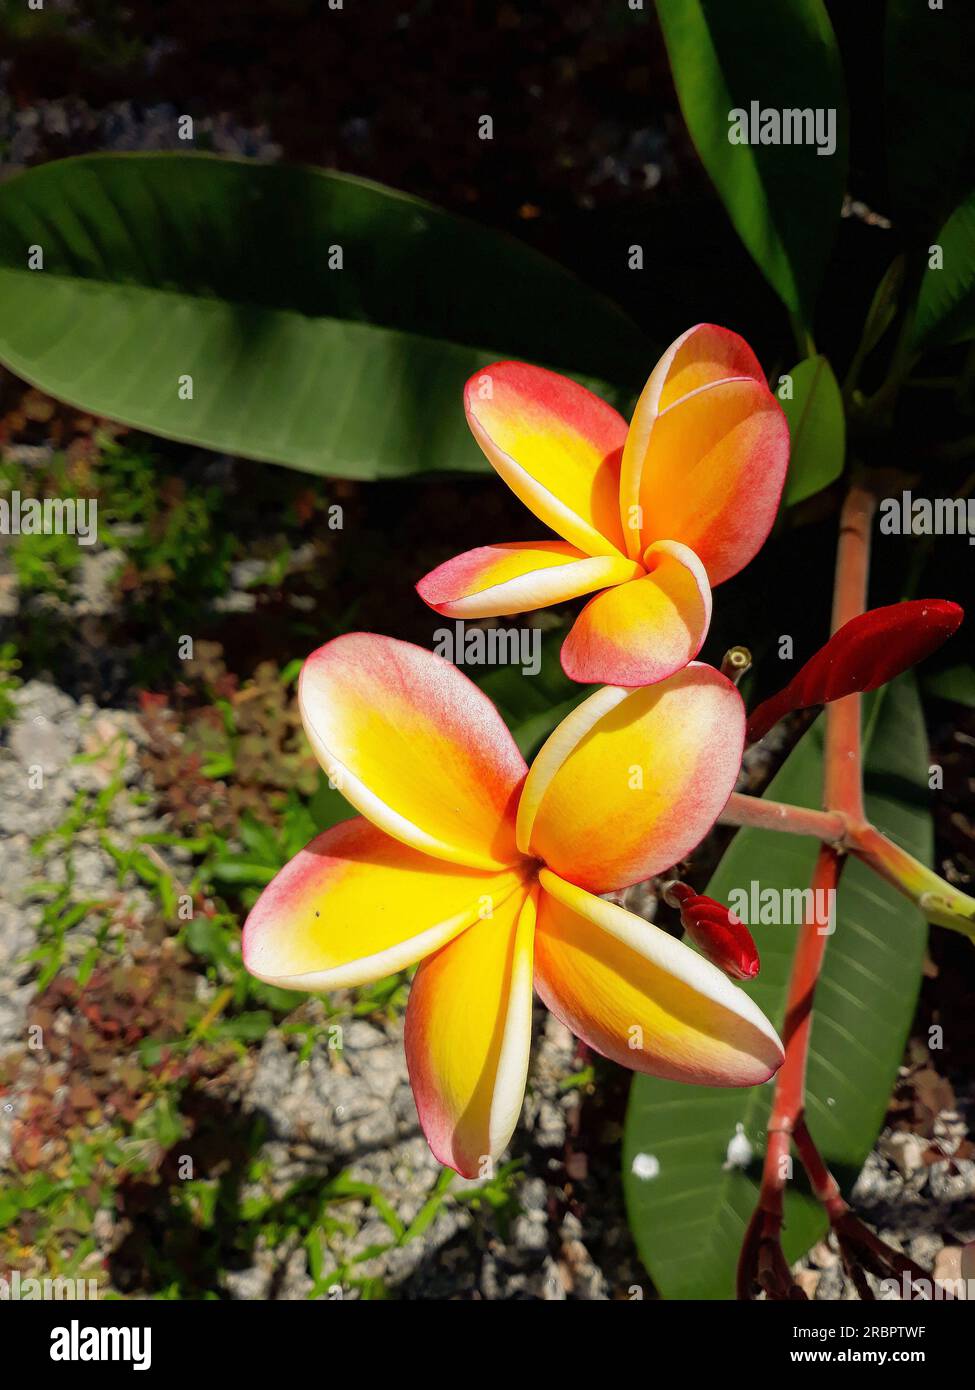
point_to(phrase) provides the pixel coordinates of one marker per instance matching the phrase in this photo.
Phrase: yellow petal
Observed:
(356, 905)
(468, 1034)
(643, 998)
(702, 355)
(557, 446)
(518, 576)
(415, 746)
(713, 473)
(632, 780)
(645, 630)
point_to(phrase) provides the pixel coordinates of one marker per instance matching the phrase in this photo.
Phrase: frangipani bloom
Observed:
(486, 873)
(654, 515)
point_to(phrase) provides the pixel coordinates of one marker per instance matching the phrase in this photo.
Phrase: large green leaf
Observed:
(946, 303)
(930, 108)
(689, 1221)
(817, 430)
(162, 265)
(784, 200)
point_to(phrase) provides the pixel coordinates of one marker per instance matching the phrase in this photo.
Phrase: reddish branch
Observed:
(762, 1263)
(762, 1266)
(763, 814)
(843, 786)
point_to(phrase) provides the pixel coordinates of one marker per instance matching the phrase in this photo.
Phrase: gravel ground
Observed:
(351, 1110)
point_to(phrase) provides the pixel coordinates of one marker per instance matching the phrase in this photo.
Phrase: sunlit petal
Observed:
(557, 446)
(468, 1032)
(518, 576)
(713, 473)
(643, 998)
(632, 780)
(645, 630)
(415, 746)
(356, 905)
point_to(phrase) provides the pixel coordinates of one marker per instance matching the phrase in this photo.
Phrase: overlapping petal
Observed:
(632, 780)
(557, 446)
(642, 998)
(415, 746)
(468, 1032)
(644, 630)
(356, 905)
(660, 461)
(713, 471)
(517, 576)
(705, 353)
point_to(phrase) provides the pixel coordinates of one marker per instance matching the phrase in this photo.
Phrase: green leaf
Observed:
(930, 108)
(690, 1220)
(246, 1027)
(533, 698)
(784, 200)
(328, 806)
(946, 303)
(242, 871)
(162, 266)
(817, 429)
(955, 683)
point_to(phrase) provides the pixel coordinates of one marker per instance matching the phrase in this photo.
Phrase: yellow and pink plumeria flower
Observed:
(487, 873)
(653, 515)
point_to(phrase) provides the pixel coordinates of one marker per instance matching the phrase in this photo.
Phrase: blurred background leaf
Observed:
(160, 266)
(946, 304)
(928, 82)
(784, 200)
(817, 430)
(955, 683)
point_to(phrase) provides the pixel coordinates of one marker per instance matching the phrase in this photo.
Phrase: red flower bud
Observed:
(865, 653)
(716, 931)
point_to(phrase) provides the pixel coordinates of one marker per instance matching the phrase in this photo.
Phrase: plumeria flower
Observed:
(653, 515)
(487, 874)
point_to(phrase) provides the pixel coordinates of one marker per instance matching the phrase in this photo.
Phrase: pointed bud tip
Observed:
(717, 932)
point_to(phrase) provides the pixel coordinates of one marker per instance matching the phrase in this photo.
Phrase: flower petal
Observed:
(356, 905)
(632, 780)
(713, 473)
(703, 354)
(468, 1033)
(644, 999)
(415, 746)
(643, 631)
(557, 446)
(517, 576)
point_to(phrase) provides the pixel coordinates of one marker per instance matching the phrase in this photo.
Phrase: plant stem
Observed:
(843, 789)
(825, 1187)
(778, 815)
(939, 900)
(788, 1101)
